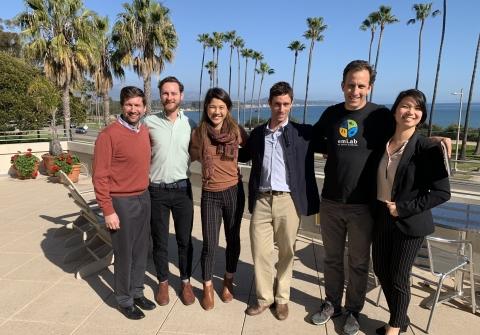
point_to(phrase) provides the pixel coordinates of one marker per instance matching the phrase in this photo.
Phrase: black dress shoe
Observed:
(131, 312)
(144, 303)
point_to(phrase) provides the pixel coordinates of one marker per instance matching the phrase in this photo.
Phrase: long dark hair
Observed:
(419, 98)
(229, 122)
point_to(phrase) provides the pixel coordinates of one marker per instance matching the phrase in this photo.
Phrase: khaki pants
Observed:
(274, 221)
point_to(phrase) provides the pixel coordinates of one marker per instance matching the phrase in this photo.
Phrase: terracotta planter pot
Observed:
(48, 163)
(73, 175)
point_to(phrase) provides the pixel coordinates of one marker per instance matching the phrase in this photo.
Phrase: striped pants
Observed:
(227, 204)
(393, 255)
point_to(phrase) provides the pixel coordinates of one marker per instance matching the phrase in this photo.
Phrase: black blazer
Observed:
(421, 183)
(298, 150)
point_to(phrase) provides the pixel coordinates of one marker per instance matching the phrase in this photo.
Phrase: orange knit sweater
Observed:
(121, 164)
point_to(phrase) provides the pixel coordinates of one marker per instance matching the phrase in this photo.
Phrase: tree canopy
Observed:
(19, 105)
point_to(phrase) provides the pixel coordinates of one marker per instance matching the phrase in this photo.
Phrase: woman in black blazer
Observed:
(411, 179)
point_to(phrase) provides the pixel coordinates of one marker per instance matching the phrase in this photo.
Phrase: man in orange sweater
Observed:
(121, 166)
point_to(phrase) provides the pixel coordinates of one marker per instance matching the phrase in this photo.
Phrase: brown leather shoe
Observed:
(256, 309)
(187, 297)
(207, 299)
(227, 291)
(281, 311)
(162, 297)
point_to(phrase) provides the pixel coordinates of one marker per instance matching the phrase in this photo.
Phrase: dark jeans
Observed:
(179, 202)
(130, 246)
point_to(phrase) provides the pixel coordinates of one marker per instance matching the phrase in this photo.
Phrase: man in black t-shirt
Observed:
(353, 133)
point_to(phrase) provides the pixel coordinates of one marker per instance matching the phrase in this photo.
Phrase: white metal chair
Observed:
(447, 258)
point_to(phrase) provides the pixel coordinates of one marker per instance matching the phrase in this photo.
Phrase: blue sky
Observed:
(269, 26)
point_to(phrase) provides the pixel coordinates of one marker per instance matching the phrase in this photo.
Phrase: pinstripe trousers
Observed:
(393, 254)
(227, 204)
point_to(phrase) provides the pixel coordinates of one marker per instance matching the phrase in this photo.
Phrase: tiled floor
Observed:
(39, 294)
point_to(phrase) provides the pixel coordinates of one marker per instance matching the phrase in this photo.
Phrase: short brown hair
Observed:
(359, 65)
(129, 92)
(280, 88)
(170, 79)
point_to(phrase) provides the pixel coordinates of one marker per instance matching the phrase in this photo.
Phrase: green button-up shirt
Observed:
(170, 140)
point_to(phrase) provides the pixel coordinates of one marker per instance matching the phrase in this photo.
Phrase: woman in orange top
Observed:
(215, 144)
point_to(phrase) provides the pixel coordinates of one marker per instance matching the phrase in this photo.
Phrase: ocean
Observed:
(445, 114)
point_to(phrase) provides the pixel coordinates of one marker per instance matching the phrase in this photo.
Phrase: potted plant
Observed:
(68, 163)
(25, 165)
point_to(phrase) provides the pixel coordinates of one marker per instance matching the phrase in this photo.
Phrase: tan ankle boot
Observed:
(227, 291)
(207, 299)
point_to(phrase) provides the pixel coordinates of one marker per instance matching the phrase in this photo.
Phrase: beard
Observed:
(171, 107)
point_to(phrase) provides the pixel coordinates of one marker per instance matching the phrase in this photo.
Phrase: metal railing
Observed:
(23, 136)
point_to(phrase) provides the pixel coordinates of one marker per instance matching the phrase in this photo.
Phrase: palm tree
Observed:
(385, 17)
(467, 113)
(211, 67)
(65, 54)
(239, 44)
(229, 37)
(203, 39)
(218, 43)
(211, 44)
(257, 56)
(423, 11)
(262, 70)
(145, 38)
(105, 66)
(314, 33)
(297, 47)
(437, 74)
(370, 23)
(246, 53)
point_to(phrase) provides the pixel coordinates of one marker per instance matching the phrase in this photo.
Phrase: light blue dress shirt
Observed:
(274, 176)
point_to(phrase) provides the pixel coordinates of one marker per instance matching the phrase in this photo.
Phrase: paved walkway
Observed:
(39, 294)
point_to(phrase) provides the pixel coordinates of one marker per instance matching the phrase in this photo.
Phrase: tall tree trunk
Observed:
(253, 89)
(147, 89)
(419, 53)
(238, 87)
(308, 81)
(245, 91)
(258, 100)
(293, 80)
(467, 113)
(370, 48)
(106, 108)
(437, 74)
(376, 58)
(213, 70)
(294, 70)
(216, 69)
(97, 111)
(201, 79)
(477, 148)
(66, 109)
(230, 70)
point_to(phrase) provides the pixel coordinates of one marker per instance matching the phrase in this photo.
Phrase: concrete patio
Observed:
(39, 294)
